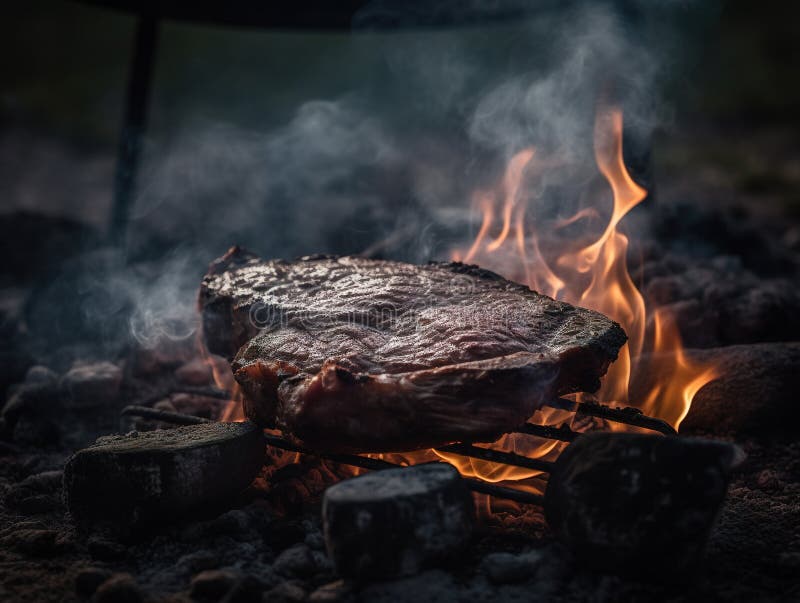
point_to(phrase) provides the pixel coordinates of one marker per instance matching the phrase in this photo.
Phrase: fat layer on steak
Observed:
(361, 355)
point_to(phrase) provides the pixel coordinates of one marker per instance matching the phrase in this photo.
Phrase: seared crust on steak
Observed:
(353, 354)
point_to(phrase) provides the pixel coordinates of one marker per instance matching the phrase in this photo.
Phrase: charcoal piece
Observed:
(212, 585)
(755, 391)
(41, 375)
(139, 477)
(296, 562)
(196, 372)
(119, 588)
(713, 230)
(637, 504)
(353, 354)
(395, 522)
(718, 304)
(91, 385)
(333, 592)
(38, 493)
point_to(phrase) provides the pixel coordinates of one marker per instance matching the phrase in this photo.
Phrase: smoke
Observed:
(164, 306)
(277, 192)
(388, 168)
(554, 110)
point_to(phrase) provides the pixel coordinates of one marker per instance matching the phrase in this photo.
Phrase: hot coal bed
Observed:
(183, 507)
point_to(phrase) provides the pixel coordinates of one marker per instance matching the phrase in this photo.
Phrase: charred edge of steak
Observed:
(478, 272)
(234, 258)
(582, 369)
(221, 331)
(582, 364)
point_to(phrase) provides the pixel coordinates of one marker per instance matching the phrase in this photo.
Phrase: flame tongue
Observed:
(611, 289)
(595, 276)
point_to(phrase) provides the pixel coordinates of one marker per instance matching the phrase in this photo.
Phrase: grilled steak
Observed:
(352, 354)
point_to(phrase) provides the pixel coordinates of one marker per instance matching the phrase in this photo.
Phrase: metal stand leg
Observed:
(139, 84)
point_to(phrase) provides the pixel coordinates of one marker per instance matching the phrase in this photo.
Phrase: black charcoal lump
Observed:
(139, 477)
(639, 504)
(395, 522)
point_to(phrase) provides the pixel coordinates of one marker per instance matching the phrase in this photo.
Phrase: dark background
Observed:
(64, 68)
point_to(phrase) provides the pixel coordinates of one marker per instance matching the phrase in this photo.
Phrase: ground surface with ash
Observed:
(256, 549)
(730, 279)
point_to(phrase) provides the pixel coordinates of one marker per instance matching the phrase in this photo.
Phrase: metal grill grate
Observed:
(627, 416)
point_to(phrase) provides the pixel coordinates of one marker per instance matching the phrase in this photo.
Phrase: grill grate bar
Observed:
(355, 460)
(563, 433)
(365, 462)
(498, 456)
(629, 416)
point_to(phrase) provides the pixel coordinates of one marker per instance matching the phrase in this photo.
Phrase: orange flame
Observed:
(675, 379)
(595, 276)
(223, 379)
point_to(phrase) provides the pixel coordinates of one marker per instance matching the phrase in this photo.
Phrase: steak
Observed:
(360, 355)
